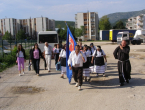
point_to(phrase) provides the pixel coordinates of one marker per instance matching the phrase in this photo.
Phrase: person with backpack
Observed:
(56, 52)
(21, 58)
(62, 59)
(99, 65)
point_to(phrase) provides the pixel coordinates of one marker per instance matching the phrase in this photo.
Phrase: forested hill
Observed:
(113, 18)
(62, 23)
(123, 15)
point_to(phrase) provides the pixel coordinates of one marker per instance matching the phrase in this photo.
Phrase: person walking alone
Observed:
(124, 67)
(21, 58)
(35, 58)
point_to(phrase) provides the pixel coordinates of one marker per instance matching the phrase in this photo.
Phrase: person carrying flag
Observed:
(77, 58)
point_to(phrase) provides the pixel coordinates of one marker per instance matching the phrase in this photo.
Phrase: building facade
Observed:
(136, 22)
(90, 21)
(30, 26)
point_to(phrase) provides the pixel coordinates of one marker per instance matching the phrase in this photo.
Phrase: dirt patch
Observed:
(26, 90)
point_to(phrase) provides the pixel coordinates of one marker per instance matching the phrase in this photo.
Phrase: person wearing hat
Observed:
(99, 65)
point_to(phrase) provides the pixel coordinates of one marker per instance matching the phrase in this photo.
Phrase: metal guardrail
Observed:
(6, 46)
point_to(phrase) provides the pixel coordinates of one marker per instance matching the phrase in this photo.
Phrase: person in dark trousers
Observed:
(56, 53)
(21, 58)
(124, 67)
(77, 58)
(35, 57)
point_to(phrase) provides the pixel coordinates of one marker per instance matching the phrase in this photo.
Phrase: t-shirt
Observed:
(21, 54)
(48, 50)
(36, 54)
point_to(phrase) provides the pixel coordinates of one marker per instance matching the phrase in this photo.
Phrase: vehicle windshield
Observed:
(50, 38)
(119, 35)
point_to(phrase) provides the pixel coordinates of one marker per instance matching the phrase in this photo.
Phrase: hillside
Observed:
(62, 23)
(123, 15)
(113, 18)
(123, 20)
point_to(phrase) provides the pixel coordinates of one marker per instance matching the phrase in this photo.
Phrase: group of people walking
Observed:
(86, 60)
(83, 61)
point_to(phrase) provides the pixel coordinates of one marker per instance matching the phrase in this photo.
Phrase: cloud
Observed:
(64, 10)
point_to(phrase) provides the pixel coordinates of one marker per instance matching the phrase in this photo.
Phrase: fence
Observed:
(6, 46)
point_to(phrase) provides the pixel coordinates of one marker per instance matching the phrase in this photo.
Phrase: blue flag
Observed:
(70, 46)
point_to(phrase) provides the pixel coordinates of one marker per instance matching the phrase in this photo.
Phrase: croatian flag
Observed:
(70, 46)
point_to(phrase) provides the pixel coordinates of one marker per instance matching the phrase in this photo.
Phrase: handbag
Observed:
(58, 66)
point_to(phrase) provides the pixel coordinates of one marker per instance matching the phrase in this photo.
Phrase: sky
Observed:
(65, 9)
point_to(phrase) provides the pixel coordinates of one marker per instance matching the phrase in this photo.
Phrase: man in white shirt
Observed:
(77, 58)
(48, 52)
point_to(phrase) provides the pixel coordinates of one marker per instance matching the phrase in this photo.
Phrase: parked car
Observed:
(5, 50)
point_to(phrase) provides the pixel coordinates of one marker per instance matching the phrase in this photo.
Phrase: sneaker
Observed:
(23, 72)
(97, 75)
(76, 85)
(103, 74)
(19, 74)
(79, 88)
(37, 74)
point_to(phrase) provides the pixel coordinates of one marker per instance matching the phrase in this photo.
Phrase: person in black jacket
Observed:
(35, 57)
(21, 58)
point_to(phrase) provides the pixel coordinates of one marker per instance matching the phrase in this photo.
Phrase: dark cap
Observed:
(92, 44)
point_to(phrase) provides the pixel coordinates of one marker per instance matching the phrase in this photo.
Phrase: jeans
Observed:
(36, 65)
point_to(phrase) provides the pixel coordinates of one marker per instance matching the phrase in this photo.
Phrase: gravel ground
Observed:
(50, 92)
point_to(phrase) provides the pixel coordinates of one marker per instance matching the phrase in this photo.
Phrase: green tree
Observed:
(119, 25)
(79, 31)
(21, 35)
(7, 36)
(104, 23)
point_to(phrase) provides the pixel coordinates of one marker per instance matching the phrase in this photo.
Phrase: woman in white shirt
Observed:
(21, 58)
(56, 52)
(99, 65)
(86, 69)
(62, 59)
